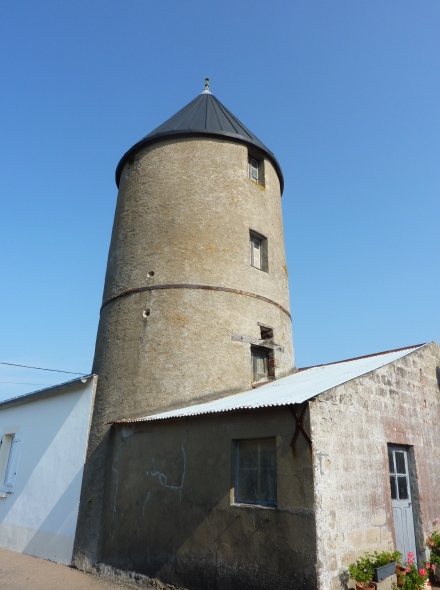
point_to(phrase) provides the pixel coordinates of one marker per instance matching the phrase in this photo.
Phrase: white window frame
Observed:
(258, 251)
(254, 169)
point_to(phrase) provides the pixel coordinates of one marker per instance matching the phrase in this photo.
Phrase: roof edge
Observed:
(205, 134)
(163, 415)
(44, 392)
(365, 356)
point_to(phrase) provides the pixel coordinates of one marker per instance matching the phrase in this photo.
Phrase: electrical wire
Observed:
(41, 368)
(24, 383)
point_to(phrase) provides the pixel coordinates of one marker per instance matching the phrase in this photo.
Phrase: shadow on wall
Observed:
(54, 538)
(344, 578)
(168, 511)
(39, 517)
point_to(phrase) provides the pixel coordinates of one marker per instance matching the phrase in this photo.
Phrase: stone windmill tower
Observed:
(196, 300)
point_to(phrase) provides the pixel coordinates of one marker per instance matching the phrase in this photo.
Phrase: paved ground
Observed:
(22, 572)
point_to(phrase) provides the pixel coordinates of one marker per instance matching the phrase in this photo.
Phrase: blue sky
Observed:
(345, 93)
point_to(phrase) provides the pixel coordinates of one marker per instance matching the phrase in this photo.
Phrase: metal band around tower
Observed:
(205, 287)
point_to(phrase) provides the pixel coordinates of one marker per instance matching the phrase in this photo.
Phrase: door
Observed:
(401, 501)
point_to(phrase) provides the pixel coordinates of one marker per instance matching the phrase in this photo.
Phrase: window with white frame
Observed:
(256, 169)
(256, 472)
(9, 453)
(258, 251)
(253, 169)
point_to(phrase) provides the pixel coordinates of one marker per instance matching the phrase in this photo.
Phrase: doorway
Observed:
(401, 500)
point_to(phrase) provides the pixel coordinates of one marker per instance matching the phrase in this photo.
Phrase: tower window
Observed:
(256, 170)
(258, 246)
(259, 364)
(256, 472)
(266, 332)
(253, 169)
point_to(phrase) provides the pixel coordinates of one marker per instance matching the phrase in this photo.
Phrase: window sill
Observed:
(256, 384)
(257, 506)
(259, 269)
(260, 186)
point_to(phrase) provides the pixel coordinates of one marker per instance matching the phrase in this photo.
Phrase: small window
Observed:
(259, 364)
(259, 254)
(399, 474)
(266, 332)
(9, 458)
(253, 169)
(256, 170)
(256, 472)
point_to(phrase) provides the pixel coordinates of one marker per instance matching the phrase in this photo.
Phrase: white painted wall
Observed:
(39, 516)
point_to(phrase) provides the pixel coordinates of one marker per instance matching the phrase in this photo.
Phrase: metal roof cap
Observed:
(205, 116)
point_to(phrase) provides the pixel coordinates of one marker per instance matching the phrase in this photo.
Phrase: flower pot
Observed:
(400, 573)
(365, 586)
(382, 572)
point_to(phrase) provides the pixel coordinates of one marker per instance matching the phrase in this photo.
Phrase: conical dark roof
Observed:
(203, 116)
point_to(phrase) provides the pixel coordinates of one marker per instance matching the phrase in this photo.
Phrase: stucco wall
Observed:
(39, 517)
(351, 426)
(170, 514)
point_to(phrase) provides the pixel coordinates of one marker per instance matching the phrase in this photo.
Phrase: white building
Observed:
(43, 445)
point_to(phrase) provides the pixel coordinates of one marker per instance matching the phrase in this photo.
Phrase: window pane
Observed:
(391, 461)
(256, 472)
(393, 488)
(402, 485)
(400, 462)
(253, 168)
(256, 252)
(259, 364)
(268, 480)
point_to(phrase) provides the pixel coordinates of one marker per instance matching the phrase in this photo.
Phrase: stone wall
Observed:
(351, 426)
(170, 510)
(184, 212)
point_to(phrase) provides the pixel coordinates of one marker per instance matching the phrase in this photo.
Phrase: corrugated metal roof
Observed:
(293, 389)
(205, 115)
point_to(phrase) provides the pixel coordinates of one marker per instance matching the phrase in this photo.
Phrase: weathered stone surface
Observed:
(170, 510)
(352, 490)
(184, 212)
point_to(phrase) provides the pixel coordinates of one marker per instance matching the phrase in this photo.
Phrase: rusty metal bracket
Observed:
(300, 425)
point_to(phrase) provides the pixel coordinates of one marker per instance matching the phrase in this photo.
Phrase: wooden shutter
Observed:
(11, 467)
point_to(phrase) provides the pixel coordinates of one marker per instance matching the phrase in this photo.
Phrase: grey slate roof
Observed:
(203, 116)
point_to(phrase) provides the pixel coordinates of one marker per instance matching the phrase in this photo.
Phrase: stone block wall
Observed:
(351, 427)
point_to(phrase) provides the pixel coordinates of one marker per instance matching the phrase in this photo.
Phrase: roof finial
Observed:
(206, 91)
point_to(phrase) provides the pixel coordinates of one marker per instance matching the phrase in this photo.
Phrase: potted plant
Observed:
(400, 573)
(384, 564)
(433, 544)
(362, 572)
(415, 579)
